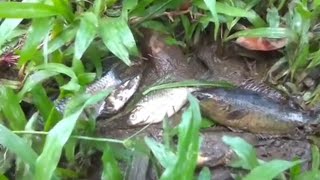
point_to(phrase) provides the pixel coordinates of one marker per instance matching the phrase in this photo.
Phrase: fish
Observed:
(121, 95)
(153, 107)
(250, 111)
(125, 81)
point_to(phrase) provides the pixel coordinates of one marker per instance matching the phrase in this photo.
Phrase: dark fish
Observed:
(247, 110)
(264, 90)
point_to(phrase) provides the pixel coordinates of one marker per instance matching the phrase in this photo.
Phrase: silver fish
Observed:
(121, 95)
(155, 106)
(125, 81)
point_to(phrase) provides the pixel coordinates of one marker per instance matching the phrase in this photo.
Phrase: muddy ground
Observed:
(233, 64)
(209, 61)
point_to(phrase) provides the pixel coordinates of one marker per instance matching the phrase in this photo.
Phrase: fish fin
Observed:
(237, 114)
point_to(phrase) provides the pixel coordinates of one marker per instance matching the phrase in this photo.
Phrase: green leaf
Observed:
(300, 60)
(265, 32)
(155, 25)
(270, 169)
(111, 169)
(188, 145)
(204, 174)
(18, 146)
(8, 25)
(86, 33)
(309, 175)
(64, 8)
(45, 106)
(273, 17)
(62, 39)
(99, 6)
(223, 8)
(58, 136)
(211, 5)
(59, 68)
(315, 158)
(118, 38)
(38, 31)
(10, 107)
(189, 83)
(165, 157)
(246, 153)
(35, 79)
(26, 10)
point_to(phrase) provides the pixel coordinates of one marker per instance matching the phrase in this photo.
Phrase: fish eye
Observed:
(132, 116)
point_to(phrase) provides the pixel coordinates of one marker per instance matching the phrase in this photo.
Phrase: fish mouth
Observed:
(201, 95)
(138, 123)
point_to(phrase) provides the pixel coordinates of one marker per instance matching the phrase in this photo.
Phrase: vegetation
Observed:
(67, 41)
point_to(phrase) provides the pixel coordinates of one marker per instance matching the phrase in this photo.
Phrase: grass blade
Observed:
(38, 31)
(18, 146)
(267, 32)
(111, 169)
(245, 151)
(222, 8)
(188, 145)
(165, 157)
(63, 38)
(45, 106)
(189, 83)
(117, 37)
(211, 5)
(65, 8)
(26, 10)
(35, 79)
(48, 160)
(11, 109)
(59, 68)
(86, 33)
(270, 169)
(205, 174)
(315, 158)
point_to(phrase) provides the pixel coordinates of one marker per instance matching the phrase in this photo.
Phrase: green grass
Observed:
(67, 41)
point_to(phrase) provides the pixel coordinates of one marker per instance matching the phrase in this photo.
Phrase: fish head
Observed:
(121, 95)
(221, 109)
(139, 115)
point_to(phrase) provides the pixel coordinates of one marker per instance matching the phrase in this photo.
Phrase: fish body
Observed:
(125, 81)
(153, 107)
(121, 95)
(250, 111)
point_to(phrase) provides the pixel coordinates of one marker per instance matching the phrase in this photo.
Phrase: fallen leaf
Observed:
(261, 44)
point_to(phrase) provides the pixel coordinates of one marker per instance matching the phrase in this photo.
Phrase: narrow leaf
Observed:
(45, 106)
(111, 169)
(270, 169)
(245, 152)
(211, 5)
(18, 146)
(48, 160)
(165, 157)
(189, 83)
(64, 8)
(38, 31)
(35, 79)
(26, 10)
(118, 38)
(265, 32)
(63, 38)
(10, 106)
